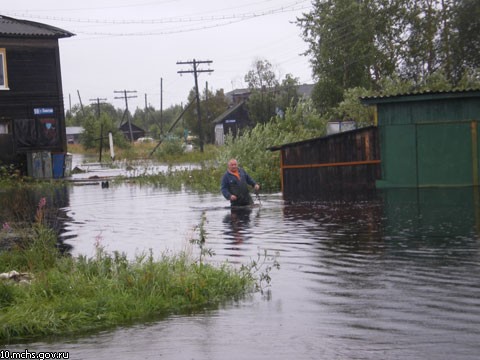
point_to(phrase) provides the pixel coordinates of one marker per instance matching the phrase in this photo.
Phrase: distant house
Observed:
(74, 133)
(238, 95)
(231, 121)
(31, 97)
(236, 116)
(135, 134)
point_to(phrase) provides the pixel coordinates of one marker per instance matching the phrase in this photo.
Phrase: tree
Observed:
(341, 37)
(268, 96)
(359, 43)
(465, 40)
(97, 129)
(212, 104)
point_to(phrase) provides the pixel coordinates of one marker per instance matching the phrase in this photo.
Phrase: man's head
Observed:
(232, 165)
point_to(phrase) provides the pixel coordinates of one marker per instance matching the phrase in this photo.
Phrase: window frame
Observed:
(3, 69)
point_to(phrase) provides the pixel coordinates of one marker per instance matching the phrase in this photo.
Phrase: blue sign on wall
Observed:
(43, 111)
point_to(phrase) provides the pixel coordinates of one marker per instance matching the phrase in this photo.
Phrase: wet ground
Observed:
(395, 276)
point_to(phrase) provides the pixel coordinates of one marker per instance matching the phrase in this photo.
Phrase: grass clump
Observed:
(68, 295)
(80, 295)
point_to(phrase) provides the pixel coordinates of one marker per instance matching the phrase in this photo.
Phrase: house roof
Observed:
(126, 127)
(420, 96)
(10, 27)
(302, 142)
(227, 113)
(303, 90)
(74, 130)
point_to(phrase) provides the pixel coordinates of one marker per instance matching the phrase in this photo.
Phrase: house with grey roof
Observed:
(31, 98)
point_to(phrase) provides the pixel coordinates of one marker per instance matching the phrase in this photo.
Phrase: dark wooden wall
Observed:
(34, 81)
(344, 162)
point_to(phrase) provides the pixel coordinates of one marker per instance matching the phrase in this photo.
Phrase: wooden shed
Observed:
(131, 131)
(31, 97)
(343, 162)
(428, 139)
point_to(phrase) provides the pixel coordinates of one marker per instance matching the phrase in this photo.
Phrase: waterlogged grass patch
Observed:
(77, 295)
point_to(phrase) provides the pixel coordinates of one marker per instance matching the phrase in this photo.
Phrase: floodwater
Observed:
(394, 276)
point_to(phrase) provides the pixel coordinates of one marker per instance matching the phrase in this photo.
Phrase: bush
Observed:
(251, 147)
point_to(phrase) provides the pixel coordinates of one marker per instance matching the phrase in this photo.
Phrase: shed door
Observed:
(444, 153)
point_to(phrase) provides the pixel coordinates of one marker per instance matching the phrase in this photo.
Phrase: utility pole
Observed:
(81, 104)
(195, 72)
(126, 113)
(161, 106)
(101, 126)
(207, 113)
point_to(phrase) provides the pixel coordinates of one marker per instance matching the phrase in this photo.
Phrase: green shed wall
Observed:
(429, 140)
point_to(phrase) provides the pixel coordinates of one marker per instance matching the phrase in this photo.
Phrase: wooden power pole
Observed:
(195, 72)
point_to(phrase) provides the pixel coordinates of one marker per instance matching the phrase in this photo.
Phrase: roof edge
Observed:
(420, 96)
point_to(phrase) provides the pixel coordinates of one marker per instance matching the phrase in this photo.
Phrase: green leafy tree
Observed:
(341, 37)
(97, 129)
(263, 84)
(212, 104)
(360, 43)
(465, 40)
(268, 95)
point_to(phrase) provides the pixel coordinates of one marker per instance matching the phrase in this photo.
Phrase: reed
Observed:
(204, 179)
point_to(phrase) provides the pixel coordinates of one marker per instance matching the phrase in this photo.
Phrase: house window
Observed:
(4, 127)
(3, 70)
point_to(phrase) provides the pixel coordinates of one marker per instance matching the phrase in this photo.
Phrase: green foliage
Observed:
(204, 179)
(79, 295)
(261, 76)
(97, 129)
(211, 106)
(268, 96)
(428, 45)
(301, 122)
(352, 109)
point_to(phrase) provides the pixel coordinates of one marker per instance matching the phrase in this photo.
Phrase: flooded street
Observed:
(396, 276)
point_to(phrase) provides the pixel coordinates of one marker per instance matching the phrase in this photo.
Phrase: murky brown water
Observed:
(393, 277)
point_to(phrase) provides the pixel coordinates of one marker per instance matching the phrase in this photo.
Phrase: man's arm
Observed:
(224, 188)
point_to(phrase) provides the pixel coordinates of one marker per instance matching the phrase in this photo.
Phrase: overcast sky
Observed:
(132, 44)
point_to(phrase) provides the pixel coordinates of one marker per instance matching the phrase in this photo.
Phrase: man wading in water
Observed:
(235, 183)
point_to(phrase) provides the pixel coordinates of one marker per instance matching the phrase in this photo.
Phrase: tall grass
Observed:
(80, 295)
(77, 295)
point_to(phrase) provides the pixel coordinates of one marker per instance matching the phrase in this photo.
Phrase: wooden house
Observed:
(74, 133)
(231, 121)
(31, 97)
(236, 117)
(131, 131)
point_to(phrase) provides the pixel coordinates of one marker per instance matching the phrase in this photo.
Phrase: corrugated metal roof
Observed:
(420, 96)
(302, 142)
(10, 27)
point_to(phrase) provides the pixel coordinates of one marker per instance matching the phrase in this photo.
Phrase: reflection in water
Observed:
(238, 221)
(391, 276)
(19, 206)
